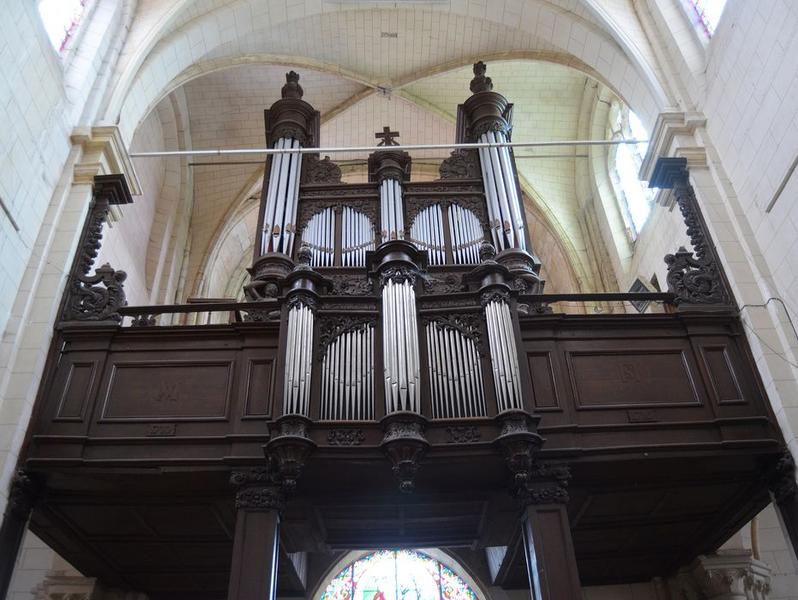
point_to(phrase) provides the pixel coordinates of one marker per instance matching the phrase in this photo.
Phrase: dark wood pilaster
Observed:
(21, 499)
(253, 571)
(550, 558)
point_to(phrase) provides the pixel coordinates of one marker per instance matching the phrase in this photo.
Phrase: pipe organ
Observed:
(358, 362)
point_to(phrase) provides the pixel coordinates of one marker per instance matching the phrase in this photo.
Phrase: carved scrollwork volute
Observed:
(97, 297)
(693, 277)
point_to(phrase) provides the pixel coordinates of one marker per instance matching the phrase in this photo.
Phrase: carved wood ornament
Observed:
(97, 297)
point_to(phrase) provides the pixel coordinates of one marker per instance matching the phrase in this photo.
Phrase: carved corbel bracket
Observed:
(696, 278)
(97, 297)
(289, 448)
(405, 445)
(258, 489)
(520, 443)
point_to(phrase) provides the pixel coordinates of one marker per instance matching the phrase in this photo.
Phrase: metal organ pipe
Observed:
(454, 371)
(391, 211)
(298, 362)
(501, 193)
(504, 355)
(400, 347)
(282, 196)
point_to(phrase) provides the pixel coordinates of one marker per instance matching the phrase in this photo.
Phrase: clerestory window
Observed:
(635, 199)
(705, 14)
(61, 19)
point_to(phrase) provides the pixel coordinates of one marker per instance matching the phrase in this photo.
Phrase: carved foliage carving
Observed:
(461, 164)
(463, 435)
(257, 490)
(467, 324)
(450, 283)
(694, 277)
(345, 437)
(332, 327)
(317, 170)
(350, 284)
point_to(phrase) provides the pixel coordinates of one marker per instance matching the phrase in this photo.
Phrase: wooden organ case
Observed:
(396, 377)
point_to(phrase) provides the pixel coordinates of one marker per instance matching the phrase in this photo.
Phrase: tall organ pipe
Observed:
(391, 214)
(282, 196)
(501, 193)
(400, 347)
(298, 362)
(503, 355)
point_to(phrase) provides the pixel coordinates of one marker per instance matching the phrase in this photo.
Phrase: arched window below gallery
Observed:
(398, 575)
(635, 199)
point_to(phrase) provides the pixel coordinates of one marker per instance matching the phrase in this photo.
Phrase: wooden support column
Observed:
(784, 494)
(21, 499)
(253, 572)
(550, 558)
(542, 490)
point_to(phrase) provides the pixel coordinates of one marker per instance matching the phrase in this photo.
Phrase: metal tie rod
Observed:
(336, 150)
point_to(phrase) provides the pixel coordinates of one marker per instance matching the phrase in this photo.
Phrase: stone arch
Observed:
(608, 49)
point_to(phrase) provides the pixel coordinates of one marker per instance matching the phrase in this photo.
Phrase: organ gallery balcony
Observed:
(396, 377)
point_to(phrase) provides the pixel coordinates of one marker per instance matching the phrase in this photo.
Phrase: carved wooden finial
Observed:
(304, 255)
(486, 251)
(387, 137)
(481, 83)
(292, 89)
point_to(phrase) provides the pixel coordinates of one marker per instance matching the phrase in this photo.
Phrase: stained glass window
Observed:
(397, 575)
(61, 19)
(706, 13)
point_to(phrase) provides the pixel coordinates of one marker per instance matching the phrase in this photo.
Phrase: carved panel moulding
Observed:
(694, 277)
(345, 437)
(350, 284)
